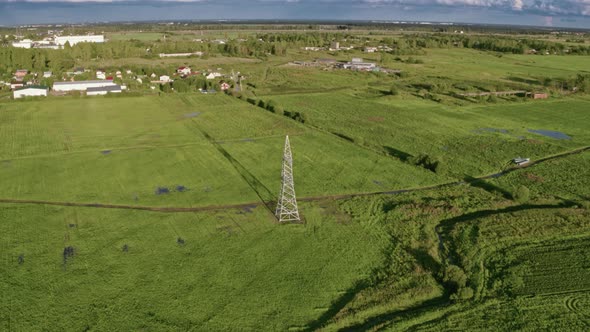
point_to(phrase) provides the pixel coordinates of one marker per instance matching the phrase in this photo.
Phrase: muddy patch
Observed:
(105, 152)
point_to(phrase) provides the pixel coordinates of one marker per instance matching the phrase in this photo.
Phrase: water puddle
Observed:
(550, 133)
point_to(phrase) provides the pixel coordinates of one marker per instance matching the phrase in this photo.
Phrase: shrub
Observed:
(394, 91)
(455, 277)
(522, 194)
(464, 293)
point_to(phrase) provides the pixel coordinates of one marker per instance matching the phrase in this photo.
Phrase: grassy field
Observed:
(142, 36)
(469, 255)
(236, 269)
(206, 150)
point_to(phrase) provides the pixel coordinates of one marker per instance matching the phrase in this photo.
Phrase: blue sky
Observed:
(558, 13)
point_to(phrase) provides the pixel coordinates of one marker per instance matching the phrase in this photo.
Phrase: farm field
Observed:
(178, 151)
(472, 140)
(141, 36)
(153, 210)
(169, 272)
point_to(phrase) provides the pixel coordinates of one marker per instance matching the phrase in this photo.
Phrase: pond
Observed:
(550, 133)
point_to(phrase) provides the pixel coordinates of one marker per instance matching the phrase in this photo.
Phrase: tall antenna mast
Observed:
(287, 210)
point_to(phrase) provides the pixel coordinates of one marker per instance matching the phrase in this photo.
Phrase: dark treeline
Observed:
(61, 60)
(501, 44)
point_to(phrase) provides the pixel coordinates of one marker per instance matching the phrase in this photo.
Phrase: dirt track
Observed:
(303, 199)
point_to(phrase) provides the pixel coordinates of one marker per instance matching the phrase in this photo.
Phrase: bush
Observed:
(464, 293)
(394, 91)
(432, 164)
(455, 277)
(522, 194)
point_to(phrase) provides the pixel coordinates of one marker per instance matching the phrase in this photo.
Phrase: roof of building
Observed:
(105, 88)
(82, 82)
(39, 87)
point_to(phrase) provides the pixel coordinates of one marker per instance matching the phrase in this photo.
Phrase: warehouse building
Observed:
(81, 85)
(103, 90)
(31, 91)
(73, 40)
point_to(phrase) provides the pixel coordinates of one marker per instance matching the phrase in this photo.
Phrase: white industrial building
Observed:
(81, 85)
(31, 91)
(104, 90)
(25, 43)
(73, 40)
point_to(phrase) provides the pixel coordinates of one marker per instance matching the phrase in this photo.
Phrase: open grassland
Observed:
(181, 150)
(141, 36)
(469, 255)
(566, 178)
(229, 270)
(471, 140)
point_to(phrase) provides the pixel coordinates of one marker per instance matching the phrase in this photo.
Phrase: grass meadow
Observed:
(470, 255)
(229, 270)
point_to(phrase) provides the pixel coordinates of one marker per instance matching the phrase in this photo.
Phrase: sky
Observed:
(552, 13)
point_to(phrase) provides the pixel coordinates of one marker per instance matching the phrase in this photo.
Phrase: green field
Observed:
(141, 36)
(388, 243)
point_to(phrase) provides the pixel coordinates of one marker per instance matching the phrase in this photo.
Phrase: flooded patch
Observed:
(249, 209)
(550, 133)
(192, 115)
(105, 152)
(162, 191)
(181, 188)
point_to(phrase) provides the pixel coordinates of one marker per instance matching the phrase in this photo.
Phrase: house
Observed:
(213, 75)
(184, 70)
(334, 46)
(20, 74)
(73, 40)
(370, 49)
(103, 90)
(139, 80)
(31, 91)
(224, 86)
(81, 85)
(101, 75)
(79, 71)
(153, 75)
(165, 78)
(16, 85)
(119, 74)
(47, 74)
(128, 72)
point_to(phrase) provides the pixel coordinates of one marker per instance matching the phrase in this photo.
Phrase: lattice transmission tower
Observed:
(287, 210)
